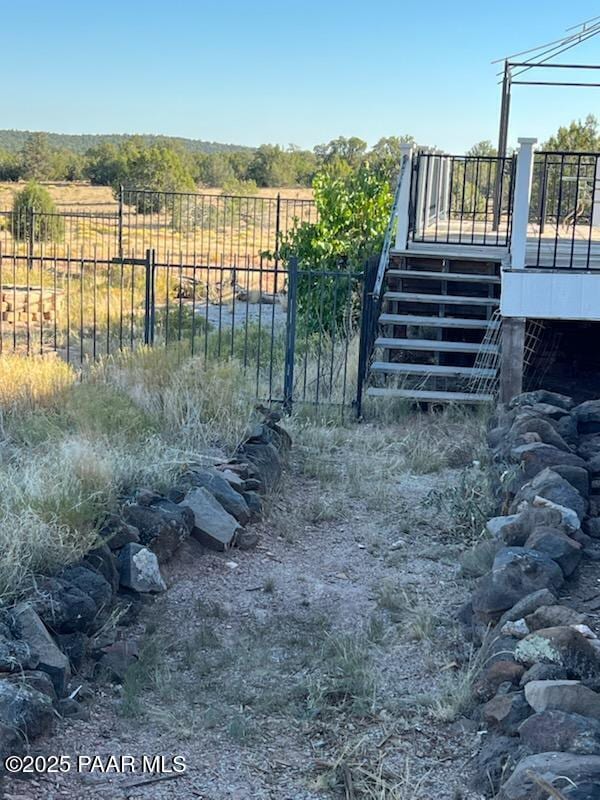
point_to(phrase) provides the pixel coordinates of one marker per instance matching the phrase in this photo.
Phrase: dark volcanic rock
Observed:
(266, 460)
(24, 714)
(162, 524)
(538, 456)
(63, 607)
(550, 485)
(588, 416)
(560, 732)
(494, 763)
(565, 647)
(504, 713)
(550, 767)
(558, 546)
(542, 396)
(231, 500)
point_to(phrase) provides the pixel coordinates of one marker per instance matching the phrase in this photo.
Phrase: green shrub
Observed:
(35, 216)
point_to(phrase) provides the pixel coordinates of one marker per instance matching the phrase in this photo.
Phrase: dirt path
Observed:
(326, 663)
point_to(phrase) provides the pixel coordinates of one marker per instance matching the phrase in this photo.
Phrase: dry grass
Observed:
(69, 447)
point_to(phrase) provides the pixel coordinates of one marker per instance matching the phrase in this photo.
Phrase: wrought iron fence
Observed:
(463, 200)
(198, 228)
(564, 211)
(293, 332)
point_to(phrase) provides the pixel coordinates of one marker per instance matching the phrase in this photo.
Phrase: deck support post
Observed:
(403, 209)
(522, 198)
(596, 195)
(512, 360)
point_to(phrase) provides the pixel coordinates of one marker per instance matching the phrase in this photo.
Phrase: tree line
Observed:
(167, 165)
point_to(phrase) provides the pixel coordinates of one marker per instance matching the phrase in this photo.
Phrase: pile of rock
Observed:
(540, 687)
(45, 639)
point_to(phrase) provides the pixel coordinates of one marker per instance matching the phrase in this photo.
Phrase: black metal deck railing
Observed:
(464, 200)
(564, 211)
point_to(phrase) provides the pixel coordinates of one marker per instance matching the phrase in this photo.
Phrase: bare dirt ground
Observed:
(326, 663)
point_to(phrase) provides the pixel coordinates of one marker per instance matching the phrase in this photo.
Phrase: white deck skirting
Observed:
(550, 294)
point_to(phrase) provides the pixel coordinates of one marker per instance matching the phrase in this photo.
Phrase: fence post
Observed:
(149, 300)
(522, 197)
(120, 222)
(30, 237)
(367, 329)
(290, 336)
(403, 209)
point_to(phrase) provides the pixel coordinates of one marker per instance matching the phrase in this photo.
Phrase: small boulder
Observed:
(117, 533)
(63, 607)
(550, 485)
(528, 605)
(118, 658)
(266, 460)
(39, 641)
(162, 524)
(497, 525)
(552, 616)
(542, 396)
(25, 714)
(504, 713)
(546, 432)
(103, 561)
(538, 456)
(91, 583)
(495, 675)
(572, 697)
(232, 501)
(578, 477)
(557, 731)
(213, 526)
(557, 769)
(564, 646)
(558, 546)
(544, 672)
(139, 569)
(588, 416)
(494, 762)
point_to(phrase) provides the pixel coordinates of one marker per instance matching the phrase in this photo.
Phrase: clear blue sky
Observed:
(285, 72)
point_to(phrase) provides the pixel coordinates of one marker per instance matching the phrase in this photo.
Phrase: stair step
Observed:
(443, 276)
(434, 344)
(438, 322)
(445, 299)
(390, 367)
(430, 396)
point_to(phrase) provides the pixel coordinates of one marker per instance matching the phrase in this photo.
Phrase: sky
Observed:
(298, 72)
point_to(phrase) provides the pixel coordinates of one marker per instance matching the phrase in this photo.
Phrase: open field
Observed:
(197, 229)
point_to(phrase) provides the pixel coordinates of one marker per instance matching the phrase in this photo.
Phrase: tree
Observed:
(577, 137)
(36, 158)
(483, 148)
(34, 215)
(350, 150)
(386, 155)
(158, 169)
(10, 166)
(270, 167)
(103, 164)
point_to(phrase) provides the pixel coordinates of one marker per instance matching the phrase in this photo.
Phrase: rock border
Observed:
(539, 688)
(47, 636)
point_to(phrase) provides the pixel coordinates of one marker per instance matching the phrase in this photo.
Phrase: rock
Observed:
(546, 432)
(517, 628)
(516, 573)
(493, 763)
(542, 396)
(118, 658)
(92, 584)
(558, 731)
(584, 630)
(588, 416)
(64, 607)
(74, 646)
(553, 616)
(567, 427)
(213, 526)
(495, 675)
(233, 502)
(103, 561)
(117, 533)
(255, 504)
(572, 697)
(501, 648)
(563, 646)
(538, 456)
(139, 569)
(267, 462)
(25, 714)
(555, 768)
(557, 546)
(15, 655)
(39, 641)
(578, 477)
(233, 479)
(570, 519)
(588, 448)
(583, 791)
(246, 540)
(69, 707)
(591, 526)
(544, 672)
(496, 525)
(529, 604)
(550, 485)
(504, 713)
(163, 525)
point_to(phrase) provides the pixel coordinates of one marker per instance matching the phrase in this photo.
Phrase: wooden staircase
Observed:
(435, 338)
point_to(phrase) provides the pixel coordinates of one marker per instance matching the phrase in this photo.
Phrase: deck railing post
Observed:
(403, 210)
(522, 198)
(596, 195)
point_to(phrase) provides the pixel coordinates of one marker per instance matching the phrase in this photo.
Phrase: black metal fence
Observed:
(564, 211)
(464, 200)
(196, 228)
(292, 331)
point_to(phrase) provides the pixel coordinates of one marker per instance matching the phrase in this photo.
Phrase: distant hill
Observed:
(13, 141)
